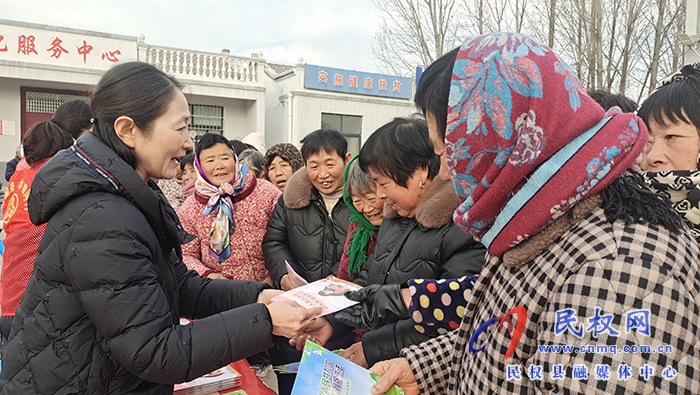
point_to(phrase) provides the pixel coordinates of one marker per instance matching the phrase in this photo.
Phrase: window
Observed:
(350, 126)
(205, 119)
(48, 102)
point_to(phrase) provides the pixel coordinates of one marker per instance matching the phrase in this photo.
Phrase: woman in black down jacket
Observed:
(417, 238)
(101, 311)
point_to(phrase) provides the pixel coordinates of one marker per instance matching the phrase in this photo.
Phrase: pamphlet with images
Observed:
(323, 372)
(220, 379)
(327, 293)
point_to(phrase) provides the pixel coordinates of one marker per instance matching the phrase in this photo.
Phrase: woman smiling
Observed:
(228, 213)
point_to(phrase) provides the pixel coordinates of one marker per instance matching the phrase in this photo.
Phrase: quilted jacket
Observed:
(100, 314)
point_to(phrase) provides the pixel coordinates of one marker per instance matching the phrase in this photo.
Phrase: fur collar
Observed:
(297, 194)
(437, 206)
(535, 245)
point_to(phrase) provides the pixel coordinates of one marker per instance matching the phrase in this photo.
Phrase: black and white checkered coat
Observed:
(616, 267)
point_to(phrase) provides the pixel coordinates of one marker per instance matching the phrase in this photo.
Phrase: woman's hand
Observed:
(216, 276)
(319, 332)
(355, 354)
(289, 318)
(265, 296)
(268, 280)
(395, 371)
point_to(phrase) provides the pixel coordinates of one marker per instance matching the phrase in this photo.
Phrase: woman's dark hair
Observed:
(434, 89)
(238, 146)
(209, 140)
(608, 100)
(397, 149)
(324, 139)
(43, 141)
(187, 159)
(678, 101)
(136, 90)
(73, 117)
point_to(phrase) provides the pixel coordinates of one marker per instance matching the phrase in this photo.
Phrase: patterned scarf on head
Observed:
(524, 142)
(357, 249)
(682, 187)
(220, 200)
(286, 151)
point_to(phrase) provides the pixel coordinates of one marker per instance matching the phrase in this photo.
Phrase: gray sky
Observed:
(330, 33)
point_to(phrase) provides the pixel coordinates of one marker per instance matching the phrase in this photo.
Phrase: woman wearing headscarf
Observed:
(228, 213)
(580, 253)
(281, 161)
(366, 215)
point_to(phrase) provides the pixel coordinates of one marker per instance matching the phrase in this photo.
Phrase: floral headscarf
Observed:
(220, 200)
(524, 142)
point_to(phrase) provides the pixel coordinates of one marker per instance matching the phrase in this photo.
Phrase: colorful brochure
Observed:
(323, 372)
(327, 293)
(220, 379)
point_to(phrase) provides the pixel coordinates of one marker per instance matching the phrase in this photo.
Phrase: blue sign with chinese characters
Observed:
(358, 82)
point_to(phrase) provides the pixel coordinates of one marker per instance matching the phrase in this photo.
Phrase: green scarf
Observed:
(357, 249)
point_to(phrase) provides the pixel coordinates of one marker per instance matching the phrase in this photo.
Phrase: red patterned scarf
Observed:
(524, 142)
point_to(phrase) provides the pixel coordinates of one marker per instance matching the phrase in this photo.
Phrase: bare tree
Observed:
(623, 45)
(414, 33)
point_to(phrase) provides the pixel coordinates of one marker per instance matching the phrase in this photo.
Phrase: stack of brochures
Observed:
(323, 372)
(220, 379)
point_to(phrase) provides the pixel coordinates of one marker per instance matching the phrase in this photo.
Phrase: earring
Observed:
(421, 185)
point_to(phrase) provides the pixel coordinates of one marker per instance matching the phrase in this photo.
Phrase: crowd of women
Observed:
(514, 192)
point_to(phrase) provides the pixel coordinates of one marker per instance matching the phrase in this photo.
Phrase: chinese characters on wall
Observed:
(31, 46)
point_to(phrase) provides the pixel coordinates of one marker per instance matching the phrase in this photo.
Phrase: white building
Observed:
(304, 98)
(42, 67)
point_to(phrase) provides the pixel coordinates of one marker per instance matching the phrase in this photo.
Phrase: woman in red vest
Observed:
(40, 143)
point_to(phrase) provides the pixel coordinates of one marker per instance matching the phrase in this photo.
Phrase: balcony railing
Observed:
(210, 66)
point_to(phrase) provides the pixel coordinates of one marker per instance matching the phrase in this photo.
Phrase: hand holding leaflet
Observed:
(327, 293)
(323, 372)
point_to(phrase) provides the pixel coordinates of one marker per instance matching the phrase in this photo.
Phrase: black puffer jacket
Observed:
(427, 246)
(301, 232)
(100, 314)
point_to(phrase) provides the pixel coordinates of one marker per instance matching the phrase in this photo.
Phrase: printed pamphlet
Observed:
(220, 379)
(323, 372)
(327, 293)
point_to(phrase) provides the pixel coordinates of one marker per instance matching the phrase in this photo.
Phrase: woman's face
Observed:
(218, 163)
(370, 206)
(188, 174)
(671, 147)
(438, 146)
(402, 200)
(279, 172)
(158, 151)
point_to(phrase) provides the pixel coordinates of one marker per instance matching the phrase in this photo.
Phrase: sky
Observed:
(327, 33)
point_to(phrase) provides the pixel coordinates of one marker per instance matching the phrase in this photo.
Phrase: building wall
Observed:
(287, 96)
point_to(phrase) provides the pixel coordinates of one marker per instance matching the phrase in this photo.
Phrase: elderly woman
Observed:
(366, 215)
(228, 213)
(542, 173)
(281, 161)
(417, 238)
(101, 311)
(672, 115)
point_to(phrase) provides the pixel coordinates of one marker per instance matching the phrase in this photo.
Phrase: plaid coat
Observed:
(591, 263)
